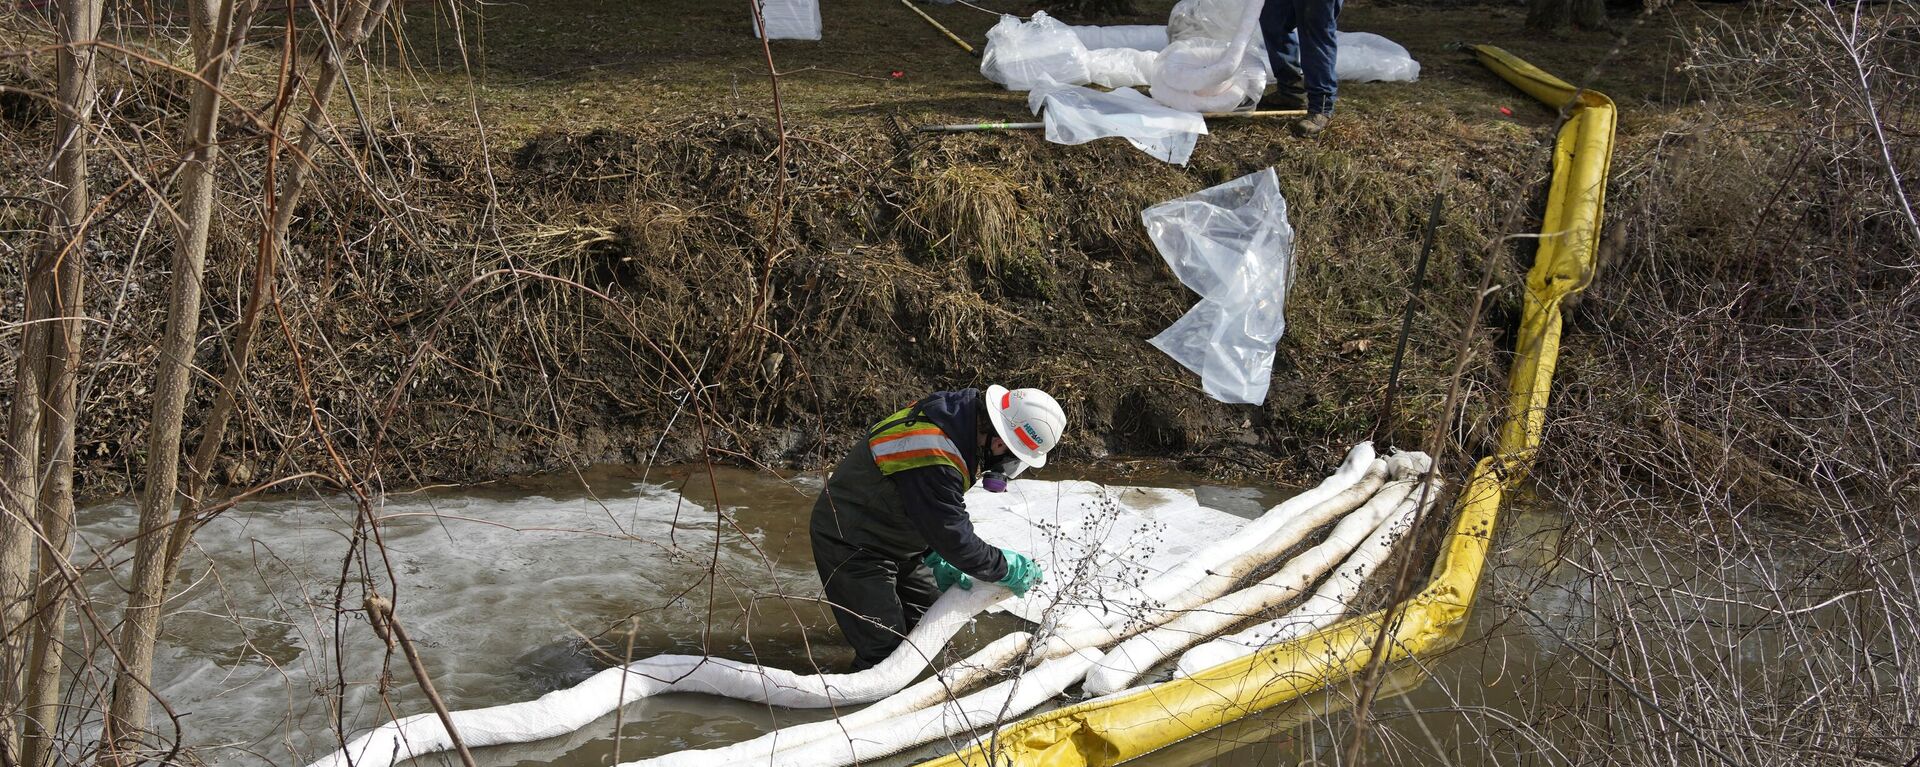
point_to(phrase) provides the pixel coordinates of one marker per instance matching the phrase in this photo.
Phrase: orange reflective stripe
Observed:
(929, 453)
(878, 441)
(1026, 440)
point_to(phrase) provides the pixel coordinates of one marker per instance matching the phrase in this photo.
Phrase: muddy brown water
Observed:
(502, 587)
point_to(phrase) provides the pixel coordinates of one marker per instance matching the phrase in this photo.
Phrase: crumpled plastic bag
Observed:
(1026, 55)
(790, 19)
(1367, 57)
(1077, 115)
(1232, 245)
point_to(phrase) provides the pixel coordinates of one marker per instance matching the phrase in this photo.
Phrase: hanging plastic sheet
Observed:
(1232, 245)
(790, 19)
(1077, 115)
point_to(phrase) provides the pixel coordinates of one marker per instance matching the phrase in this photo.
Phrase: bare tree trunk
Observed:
(66, 243)
(18, 499)
(19, 495)
(216, 32)
(348, 33)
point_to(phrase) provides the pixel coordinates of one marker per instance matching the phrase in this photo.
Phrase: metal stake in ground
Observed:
(1384, 426)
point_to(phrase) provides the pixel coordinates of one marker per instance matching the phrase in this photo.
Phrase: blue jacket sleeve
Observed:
(936, 508)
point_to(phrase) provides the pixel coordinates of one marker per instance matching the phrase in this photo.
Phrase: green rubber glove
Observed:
(945, 575)
(1022, 572)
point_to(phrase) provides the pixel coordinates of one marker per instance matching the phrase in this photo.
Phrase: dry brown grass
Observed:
(974, 211)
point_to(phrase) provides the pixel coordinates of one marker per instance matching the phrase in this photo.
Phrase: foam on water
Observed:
(495, 589)
(482, 580)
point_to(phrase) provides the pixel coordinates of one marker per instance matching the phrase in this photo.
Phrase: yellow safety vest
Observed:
(905, 441)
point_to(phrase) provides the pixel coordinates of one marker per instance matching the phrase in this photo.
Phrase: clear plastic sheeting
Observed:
(1024, 55)
(790, 19)
(1215, 60)
(1120, 67)
(1214, 19)
(1139, 37)
(1077, 115)
(1232, 245)
(1367, 57)
(1187, 76)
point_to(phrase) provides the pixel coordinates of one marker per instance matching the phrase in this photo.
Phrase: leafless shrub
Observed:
(1736, 434)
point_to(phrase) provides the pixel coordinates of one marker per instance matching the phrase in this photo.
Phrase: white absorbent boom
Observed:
(1168, 613)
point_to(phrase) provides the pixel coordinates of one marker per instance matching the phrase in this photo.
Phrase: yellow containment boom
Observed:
(1110, 730)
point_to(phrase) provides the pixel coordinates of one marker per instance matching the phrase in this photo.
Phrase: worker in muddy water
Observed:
(891, 531)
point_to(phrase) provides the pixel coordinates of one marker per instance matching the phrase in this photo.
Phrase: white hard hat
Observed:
(1028, 420)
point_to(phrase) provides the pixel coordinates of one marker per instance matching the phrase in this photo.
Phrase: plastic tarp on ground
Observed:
(1110, 730)
(1232, 245)
(1077, 115)
(1367, 57)
(790, 19)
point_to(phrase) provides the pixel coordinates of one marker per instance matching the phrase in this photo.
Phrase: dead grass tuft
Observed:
(972, 211)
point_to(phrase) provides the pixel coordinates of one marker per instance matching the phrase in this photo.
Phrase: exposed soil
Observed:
(555, 220)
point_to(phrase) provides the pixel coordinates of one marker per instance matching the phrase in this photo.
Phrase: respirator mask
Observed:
(999, 469)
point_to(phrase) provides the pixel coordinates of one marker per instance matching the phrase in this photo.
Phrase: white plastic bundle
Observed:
(1037, 52)
(790, 19)
(1076, 115)
(1233, 246)
(1120, 67)
(1367, 57)
(1139, 37)
(1213, 19)
(1215, 61)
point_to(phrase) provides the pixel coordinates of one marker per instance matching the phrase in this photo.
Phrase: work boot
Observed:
(1282, 100)
(1312, 125)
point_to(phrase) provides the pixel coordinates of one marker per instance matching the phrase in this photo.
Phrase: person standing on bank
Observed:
(1303, 68)
(890, 529)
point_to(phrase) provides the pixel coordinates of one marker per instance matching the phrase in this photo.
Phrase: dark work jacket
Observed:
(904, 515)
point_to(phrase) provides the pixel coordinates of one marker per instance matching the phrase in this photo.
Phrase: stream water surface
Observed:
(502, 586)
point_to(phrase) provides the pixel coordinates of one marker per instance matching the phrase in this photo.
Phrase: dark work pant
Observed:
(1311, 57)
(876, 599)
